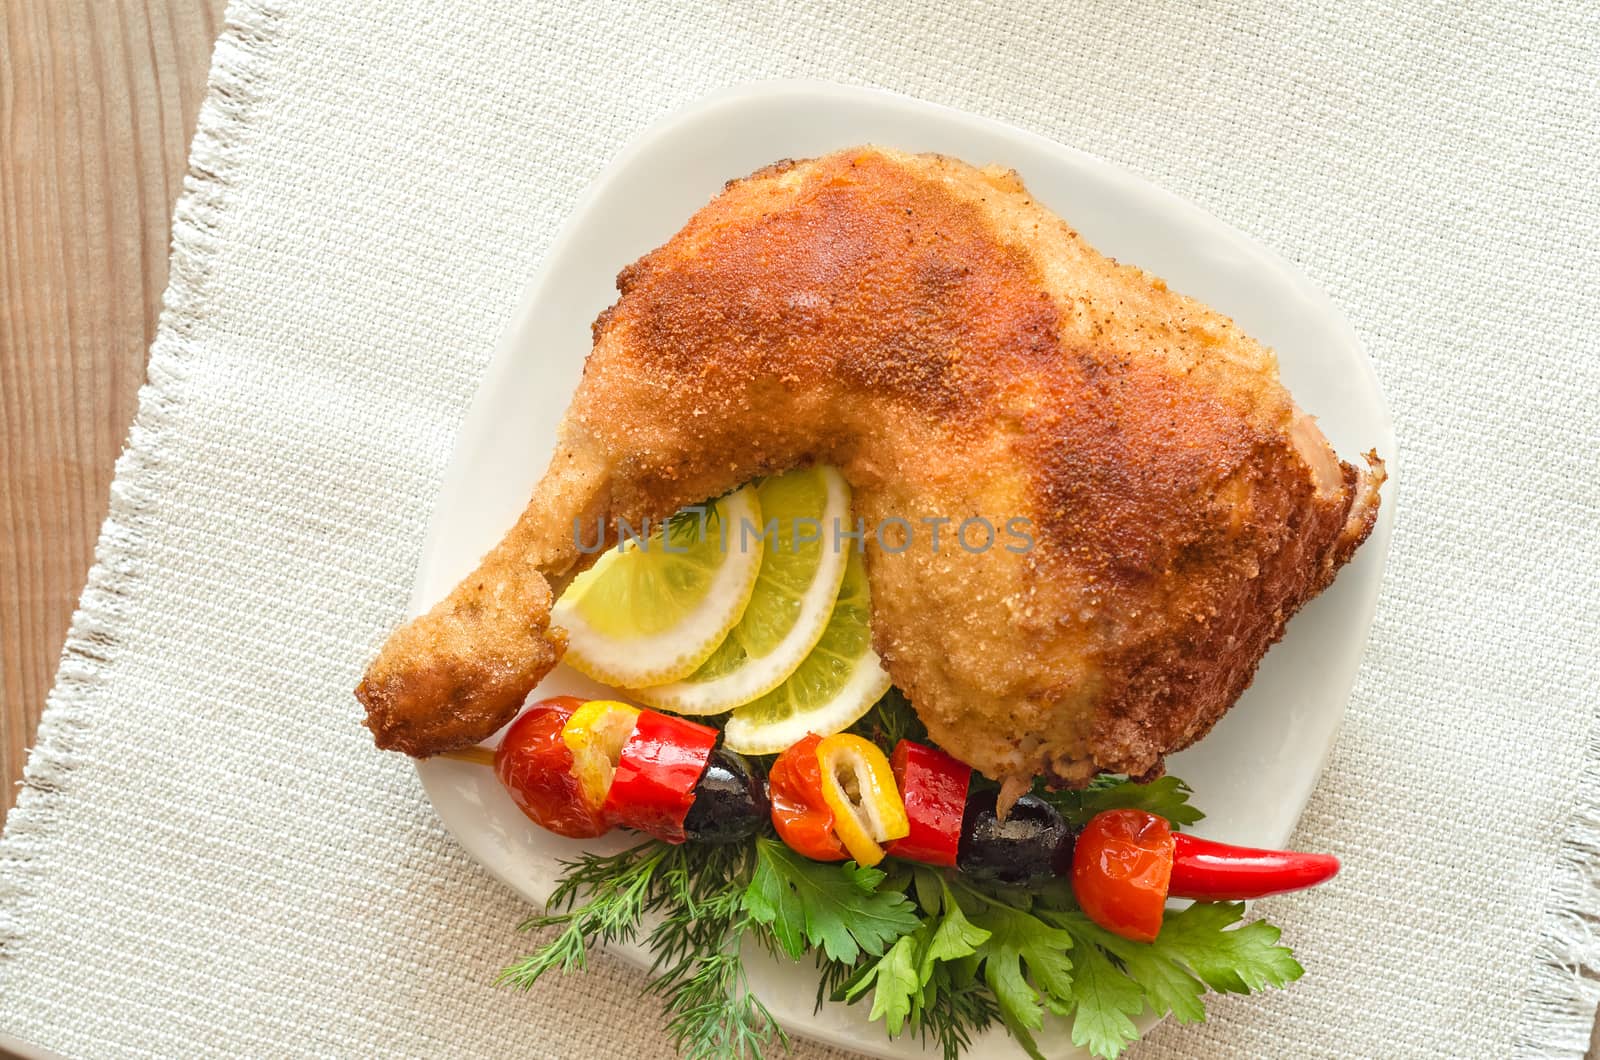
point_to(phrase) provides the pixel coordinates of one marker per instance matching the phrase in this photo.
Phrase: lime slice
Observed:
(788, 612)
(838, 682)
(651, 612)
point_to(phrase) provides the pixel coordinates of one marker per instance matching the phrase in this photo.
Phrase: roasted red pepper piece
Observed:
(934, 788)
(653, 786)
(1218, 872)
(535, 765)
(799, 812)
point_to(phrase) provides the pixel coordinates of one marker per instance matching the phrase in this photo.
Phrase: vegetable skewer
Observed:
(580, 768)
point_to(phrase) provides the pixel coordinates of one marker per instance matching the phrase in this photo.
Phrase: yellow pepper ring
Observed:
(595, 734)
(858, 786)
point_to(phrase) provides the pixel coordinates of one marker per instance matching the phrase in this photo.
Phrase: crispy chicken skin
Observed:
(959, 352)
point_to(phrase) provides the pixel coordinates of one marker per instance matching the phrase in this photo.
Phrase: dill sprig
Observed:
(961, 1006)
(619, 889)
(833, 977)
(711, 1011)
(698, 970)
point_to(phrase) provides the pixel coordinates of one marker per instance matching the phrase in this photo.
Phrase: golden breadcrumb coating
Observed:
(960, 353)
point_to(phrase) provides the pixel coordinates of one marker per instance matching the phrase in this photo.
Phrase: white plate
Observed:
(1252, 775)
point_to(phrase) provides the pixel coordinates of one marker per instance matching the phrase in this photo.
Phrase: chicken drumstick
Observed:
(959, 352)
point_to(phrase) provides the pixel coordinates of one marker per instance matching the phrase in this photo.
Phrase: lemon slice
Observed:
(793, 599)
(838, 682)
(652, 612)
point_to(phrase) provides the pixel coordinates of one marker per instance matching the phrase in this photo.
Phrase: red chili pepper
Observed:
(799, 812)
(535, 765)
(1128, 863)
(934, 788)
(654, 783)
(1218, 872)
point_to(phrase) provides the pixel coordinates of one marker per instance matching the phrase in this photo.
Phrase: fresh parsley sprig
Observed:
(838, 909)
(1165, 797)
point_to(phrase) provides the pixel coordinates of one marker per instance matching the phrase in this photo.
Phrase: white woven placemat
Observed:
(210, 859)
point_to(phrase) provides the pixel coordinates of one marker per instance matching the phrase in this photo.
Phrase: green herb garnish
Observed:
(939, 955)
(1165, 797)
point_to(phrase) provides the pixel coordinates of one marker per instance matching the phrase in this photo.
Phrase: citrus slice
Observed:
(789, 609)
(652, 611)
(838, 682)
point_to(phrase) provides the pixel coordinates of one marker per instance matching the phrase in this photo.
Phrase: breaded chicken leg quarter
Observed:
(959, 352)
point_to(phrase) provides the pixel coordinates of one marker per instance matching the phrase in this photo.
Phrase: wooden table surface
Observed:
(97, 104)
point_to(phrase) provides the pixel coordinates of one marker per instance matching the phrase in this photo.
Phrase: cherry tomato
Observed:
(535, 765)
(799, 812)
(1120, 872)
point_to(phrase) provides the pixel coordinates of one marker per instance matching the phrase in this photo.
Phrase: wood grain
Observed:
(98, 100)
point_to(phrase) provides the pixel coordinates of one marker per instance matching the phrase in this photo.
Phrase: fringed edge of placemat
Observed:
(238, 73)
(1558, 1016)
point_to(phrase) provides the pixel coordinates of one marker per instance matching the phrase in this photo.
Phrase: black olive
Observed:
(1030, 846)
(730, 801)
